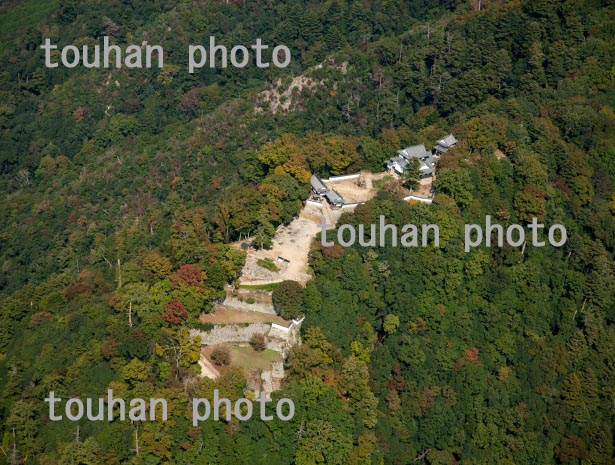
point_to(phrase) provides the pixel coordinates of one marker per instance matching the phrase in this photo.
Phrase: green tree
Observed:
(455, 183)
(411, 174)
(530, 203)
(81, 453)
(287, 297)
(390, 324)
(322, 443)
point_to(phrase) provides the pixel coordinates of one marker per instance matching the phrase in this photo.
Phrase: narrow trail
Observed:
(207, 368)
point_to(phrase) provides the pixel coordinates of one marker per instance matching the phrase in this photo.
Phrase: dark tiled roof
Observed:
(317, 184)
(334, 198)
(414, 151)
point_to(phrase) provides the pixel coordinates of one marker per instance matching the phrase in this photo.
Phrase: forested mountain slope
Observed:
(122, 188)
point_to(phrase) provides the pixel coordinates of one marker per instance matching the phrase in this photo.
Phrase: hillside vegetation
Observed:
(123, 189)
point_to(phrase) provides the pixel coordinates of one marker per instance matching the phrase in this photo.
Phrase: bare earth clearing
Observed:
(424, 189)
(258, 295)
(357, 190)
(351, 192)
(223, 315)
(286, 96)
(291, 242)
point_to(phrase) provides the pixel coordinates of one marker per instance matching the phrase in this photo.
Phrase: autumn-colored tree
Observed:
(341, 153)
(258, 342)
(174, 312)
(136, 372)
(221, 355)
(571, 449)
(191, 274)
(74, 290)
(390, 324)
(158, 265)
(180, 349)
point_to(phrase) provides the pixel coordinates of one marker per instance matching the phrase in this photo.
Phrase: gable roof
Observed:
(317, 184)
(445, 143)
(414, 151)
(428, 165)
(399, 164)
(334, 198)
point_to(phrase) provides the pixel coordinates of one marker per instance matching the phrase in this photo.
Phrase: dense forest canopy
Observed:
(123, 188)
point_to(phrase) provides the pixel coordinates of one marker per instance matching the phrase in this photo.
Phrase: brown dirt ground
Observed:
(351, 191)
(208, 369)
(291, 242)
(424, 189)
(223, 315)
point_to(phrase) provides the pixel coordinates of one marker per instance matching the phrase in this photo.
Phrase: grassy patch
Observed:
(249, 359)
(196, 324)
(245, 357)
(261, 287)
(379, 183)
(268, 264)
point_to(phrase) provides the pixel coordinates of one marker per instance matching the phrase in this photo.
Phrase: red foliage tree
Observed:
(77, 289)
(175, 312)
(469, 356)
(190, 274)
(115, 300)
(571, 449)
(40, 317)
(109, 348)
(334, 252)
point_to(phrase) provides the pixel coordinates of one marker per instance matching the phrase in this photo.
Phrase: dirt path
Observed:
(208, 370)
(327, 213)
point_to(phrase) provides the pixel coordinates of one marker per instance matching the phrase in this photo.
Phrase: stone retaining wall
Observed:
(230, 333)
(278, 337)
(235, 303)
